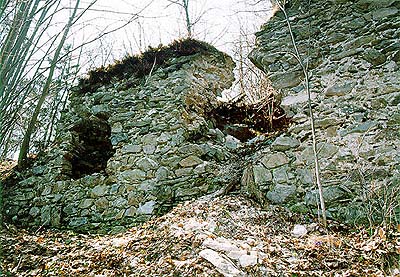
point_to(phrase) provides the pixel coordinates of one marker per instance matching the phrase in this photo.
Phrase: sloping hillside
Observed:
(225, 236)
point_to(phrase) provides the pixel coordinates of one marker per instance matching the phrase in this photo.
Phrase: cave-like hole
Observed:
(92, 147)
(248, 120)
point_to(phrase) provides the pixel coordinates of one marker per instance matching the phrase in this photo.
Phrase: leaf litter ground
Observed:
(223, 236)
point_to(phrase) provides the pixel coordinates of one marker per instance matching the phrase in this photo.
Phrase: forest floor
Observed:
(223, 236)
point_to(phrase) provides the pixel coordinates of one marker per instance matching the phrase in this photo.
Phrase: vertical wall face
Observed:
(352, 49)
(129, 150)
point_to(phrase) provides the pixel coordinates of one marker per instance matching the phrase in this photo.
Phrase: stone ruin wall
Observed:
(162, 149)
(353, 53)
(130, 150)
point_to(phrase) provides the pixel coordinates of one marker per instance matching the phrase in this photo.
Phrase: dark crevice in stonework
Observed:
(91, 145)
(245, 121)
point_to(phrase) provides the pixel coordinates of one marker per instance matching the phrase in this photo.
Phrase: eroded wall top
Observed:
(129, 148)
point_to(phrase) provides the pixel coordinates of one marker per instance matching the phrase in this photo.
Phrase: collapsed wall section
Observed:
(352, 50)
(130, 149)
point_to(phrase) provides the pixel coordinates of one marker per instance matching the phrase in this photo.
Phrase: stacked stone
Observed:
(165, 150)
(352, 51)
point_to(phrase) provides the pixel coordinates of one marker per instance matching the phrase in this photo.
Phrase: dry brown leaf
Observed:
(382, 233)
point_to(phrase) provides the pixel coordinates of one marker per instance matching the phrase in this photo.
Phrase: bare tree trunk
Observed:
(23, 66)
(27, 137)
(188, 22)
(184, 4)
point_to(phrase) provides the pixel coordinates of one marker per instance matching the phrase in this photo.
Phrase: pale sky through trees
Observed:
(160, 22)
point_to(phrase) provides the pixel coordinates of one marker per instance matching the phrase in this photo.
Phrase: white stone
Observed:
(248, 260)
(146, 208)
(299, 230)
(224, 266)
(220, 244)
(236, 254)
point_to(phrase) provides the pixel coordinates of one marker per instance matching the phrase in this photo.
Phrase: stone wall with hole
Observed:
(130, 150)
(352, 50)
(134, 148)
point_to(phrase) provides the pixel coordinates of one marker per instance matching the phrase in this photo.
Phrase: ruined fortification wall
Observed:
(129, 150)
(352, 49)
(136, 147)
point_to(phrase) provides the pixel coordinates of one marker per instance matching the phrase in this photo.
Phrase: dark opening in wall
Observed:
(246, 121)
(92, 146)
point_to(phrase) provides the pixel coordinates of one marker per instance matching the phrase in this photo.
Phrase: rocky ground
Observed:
(222, 236)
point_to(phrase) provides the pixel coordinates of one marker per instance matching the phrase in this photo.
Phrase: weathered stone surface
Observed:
(296, 99)
(99, 190)
(374, 56)
(324, 151)
(38, 170)
(86, 203)
(162, 173)
(131, 148)
(285, 143)
(232, 142)
(70, 209)
(220, 244)
(102, 203)
(299, 230)
(146, 208)
(304, 176)
(149, 149)
(128, 146)
(384, 12)
(249, 260)
(34, 211)
(360, 128)
(280, 175)
(286, 79)
(190, 161)
(261, 175)
(130, 212)
(186, 171)
(120, 202)
(330, 194)
(224, 266)
(78, 221)
(186, 193)
(339, 89)
(274, 160)
(117, 138)
(45, 214)
(281, 193)
(133, 175)
(327, 122)
(190, 149)
(146, 164)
